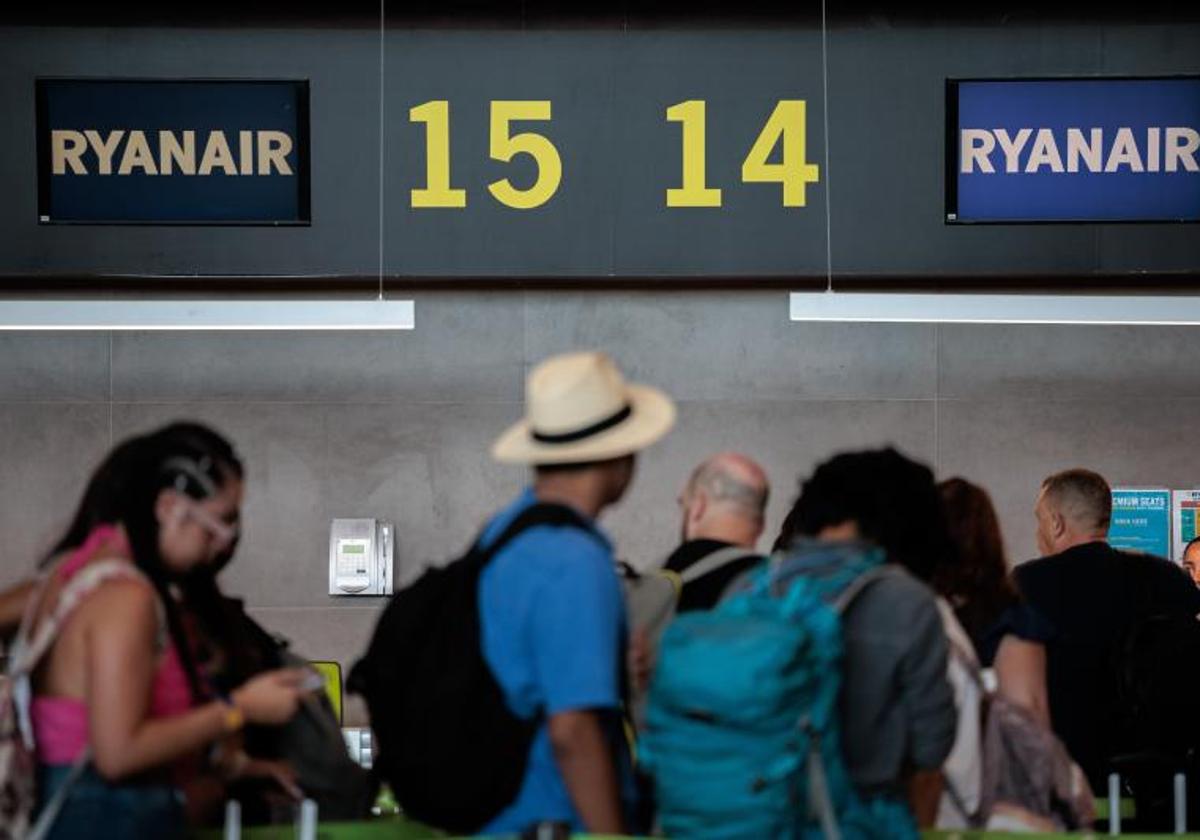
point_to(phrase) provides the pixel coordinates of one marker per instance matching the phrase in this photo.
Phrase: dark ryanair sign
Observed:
(172, 152)
(1073, 150)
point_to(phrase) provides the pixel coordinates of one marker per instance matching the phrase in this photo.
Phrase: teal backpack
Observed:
(742, 736)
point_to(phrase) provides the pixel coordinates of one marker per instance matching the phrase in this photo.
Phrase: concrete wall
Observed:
(399, 426)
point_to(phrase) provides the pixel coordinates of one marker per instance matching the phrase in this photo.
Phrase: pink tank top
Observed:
(60, 724)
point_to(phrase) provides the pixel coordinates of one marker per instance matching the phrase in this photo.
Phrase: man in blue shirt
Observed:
(550, 604)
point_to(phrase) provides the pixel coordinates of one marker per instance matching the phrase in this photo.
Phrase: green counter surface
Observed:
(398, 829)
(391, 829)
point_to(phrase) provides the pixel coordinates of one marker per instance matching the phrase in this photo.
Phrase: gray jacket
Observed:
(897, 708)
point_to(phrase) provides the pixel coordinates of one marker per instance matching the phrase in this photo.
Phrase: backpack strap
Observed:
(87, 581)
(533, 516)
(715, 560)
(860, 585)
(28, 652)
(20, 641)
(46, 819)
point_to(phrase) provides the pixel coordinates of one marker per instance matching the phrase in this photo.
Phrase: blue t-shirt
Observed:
(553, 625)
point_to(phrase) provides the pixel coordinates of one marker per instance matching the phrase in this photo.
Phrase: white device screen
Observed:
(353, 556)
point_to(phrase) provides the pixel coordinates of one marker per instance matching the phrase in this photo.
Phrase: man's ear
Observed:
(1060, 523)
(698, 507)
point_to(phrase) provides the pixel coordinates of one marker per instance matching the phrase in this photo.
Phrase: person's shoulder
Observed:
(897, 611)
(901, 592)
(1149, 563)
(1032, 573)
(553, 541)
(680, 558)
(130, 596)
(1165, 572)
(896, 578)
(554, 554)
(1023, 620)
(505, 517)
(1148, 566)
(1038, 566)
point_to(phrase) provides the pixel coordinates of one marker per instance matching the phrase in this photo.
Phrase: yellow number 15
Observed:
(787, 123)
(504, 147)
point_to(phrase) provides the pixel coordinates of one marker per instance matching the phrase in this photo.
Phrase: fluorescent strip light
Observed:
(903, 308)
(154, 315)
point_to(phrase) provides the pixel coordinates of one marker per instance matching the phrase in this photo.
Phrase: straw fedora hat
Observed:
(578, 408)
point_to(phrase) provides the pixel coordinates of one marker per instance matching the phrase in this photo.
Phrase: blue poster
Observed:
(1141, 521)
(1073, 150)
(172, 152)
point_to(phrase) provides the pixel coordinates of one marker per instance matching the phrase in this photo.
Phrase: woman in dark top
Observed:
(1008, 634)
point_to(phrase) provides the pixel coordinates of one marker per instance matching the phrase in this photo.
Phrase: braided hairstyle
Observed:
(101, 497)
(173, 458)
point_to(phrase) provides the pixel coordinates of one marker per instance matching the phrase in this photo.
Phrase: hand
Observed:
(280, 771)
(641, 659)
(271, 698)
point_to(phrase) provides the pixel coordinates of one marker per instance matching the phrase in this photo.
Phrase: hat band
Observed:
(594, 429)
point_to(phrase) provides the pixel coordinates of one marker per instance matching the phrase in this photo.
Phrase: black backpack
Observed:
(1158, 689)
(447, 743)
(1156, 733)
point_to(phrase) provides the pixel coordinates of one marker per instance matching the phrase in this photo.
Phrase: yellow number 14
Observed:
(788, 121)
(787, 126)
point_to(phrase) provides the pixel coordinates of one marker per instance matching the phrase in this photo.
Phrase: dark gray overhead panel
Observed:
(609, 84)
(610, 93)
(887, 120)
(343, 71)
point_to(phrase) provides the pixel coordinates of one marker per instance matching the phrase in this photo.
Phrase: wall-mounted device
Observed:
(360, 557)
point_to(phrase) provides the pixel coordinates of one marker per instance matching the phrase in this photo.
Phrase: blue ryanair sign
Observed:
(1073, 150)
(172, 152)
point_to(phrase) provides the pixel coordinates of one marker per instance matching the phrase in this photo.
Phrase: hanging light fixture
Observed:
(966, 308)
(213, 315)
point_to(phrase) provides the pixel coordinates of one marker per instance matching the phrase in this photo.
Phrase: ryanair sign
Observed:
(1073, 150)
(173, 152)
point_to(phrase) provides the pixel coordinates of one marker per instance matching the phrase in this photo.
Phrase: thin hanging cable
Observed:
(382, 28)
(825, 113)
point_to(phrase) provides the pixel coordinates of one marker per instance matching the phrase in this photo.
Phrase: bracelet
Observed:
(234, 718)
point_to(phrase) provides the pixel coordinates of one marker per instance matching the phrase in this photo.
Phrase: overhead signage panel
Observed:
(594, 153)
(1073, 150)
(172, 151)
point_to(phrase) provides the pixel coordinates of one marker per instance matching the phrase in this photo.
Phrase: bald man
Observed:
(722, 506)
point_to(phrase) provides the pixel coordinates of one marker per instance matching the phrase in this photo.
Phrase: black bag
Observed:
(1158, 689)
(452, 751)
(1156, 732)
(311, 743)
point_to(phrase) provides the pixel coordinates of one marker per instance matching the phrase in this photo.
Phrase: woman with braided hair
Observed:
(118, 706)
